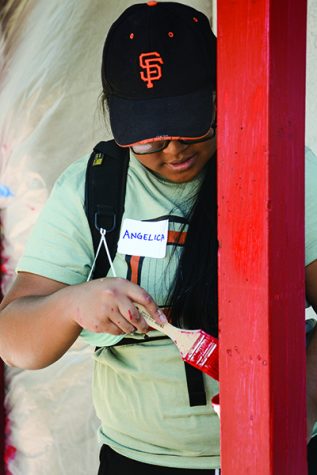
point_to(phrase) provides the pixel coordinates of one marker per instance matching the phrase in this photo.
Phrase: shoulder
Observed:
(73, 177)
(69, 188)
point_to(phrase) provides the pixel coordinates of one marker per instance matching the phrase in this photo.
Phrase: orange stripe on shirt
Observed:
(134, 263)
(176, 237)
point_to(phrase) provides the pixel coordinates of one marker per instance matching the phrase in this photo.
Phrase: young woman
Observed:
(158, 75)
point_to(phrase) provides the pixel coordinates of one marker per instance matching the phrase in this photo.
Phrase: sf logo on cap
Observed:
(151, 62)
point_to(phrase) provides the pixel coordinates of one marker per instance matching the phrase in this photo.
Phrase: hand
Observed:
(106, 306)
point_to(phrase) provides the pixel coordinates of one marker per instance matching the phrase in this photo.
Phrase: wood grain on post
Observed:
(261, 118)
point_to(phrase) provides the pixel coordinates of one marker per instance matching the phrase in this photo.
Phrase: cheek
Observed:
(207, 149)
(204, 156)
(151, 162)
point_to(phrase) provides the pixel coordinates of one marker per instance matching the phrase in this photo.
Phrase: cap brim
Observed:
(133, 120)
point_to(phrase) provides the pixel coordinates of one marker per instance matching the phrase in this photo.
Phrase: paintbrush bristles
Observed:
(204, 355)
(195, 346)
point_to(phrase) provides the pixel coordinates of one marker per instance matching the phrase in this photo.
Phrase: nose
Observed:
(174, 147)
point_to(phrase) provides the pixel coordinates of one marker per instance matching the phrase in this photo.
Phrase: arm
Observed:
(41, 318)
(311, 360)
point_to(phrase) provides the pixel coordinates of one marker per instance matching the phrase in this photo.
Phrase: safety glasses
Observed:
(155, 146)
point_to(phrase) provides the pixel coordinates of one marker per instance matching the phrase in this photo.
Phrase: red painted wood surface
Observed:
(261, 100)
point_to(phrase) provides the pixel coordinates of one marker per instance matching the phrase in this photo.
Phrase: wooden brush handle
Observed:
(165, 328)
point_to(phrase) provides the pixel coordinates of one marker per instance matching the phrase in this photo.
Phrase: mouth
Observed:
(181, 165)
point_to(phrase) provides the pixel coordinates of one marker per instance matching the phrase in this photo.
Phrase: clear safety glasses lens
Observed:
(158, 146)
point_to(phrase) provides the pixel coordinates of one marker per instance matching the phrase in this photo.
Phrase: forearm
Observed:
(36, 331)
(41, 318)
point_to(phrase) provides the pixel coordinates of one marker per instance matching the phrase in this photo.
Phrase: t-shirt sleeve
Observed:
(310, 206)
(100, 339)
(60, 244)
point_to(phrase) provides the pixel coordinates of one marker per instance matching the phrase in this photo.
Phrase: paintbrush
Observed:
(196, 347)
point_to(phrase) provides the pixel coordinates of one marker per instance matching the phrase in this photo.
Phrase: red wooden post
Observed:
(261, 100)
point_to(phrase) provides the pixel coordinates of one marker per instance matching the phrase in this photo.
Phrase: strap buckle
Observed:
(105, 218)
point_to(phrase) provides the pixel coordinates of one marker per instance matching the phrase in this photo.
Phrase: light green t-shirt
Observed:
(140, 390)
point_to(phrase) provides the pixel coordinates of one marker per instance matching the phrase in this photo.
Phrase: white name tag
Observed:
(143, 238)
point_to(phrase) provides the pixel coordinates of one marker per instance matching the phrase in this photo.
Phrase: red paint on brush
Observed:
(195, 346)
(204, 355)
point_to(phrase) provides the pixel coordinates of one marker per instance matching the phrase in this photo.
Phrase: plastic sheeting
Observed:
(50, 54)
(51, 420)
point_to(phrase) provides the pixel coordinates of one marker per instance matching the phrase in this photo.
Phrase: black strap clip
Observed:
(105, 218)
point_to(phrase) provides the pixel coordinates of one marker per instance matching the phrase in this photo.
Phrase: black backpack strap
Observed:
(195, 386)
(105, 187)
(134, 341)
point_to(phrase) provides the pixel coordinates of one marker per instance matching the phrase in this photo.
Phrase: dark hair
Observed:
(106, 92)
(194, 295)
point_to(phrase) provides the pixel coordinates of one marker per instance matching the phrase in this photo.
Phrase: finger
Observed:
(105, 326)
(121, 322)
(130, 312)
(139, 295)
(113, 329)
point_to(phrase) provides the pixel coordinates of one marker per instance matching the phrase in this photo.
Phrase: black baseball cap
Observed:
(159, 72)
